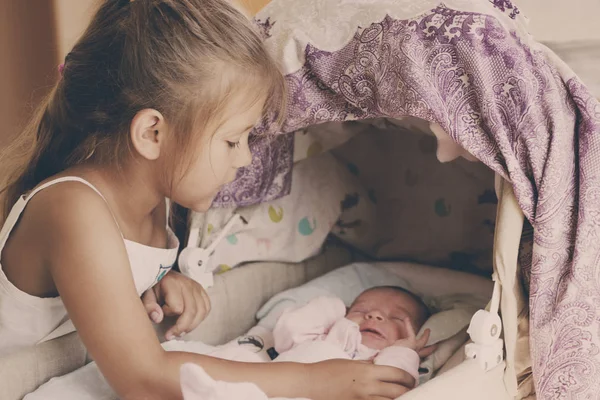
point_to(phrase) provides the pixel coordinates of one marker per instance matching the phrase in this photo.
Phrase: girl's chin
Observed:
(199, 206)
(200, 209)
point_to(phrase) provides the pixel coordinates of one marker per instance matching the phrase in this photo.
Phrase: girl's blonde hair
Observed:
(169, 55)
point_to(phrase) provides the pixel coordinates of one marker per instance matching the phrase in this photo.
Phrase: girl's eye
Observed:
(233, 145)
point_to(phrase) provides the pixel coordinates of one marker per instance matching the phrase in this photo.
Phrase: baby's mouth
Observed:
(372, 332)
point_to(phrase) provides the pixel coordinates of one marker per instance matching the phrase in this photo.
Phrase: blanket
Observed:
(471, 68)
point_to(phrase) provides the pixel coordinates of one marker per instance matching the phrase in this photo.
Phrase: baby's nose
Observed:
(375, 315)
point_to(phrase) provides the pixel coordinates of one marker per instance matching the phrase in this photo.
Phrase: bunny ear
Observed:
(195, 383)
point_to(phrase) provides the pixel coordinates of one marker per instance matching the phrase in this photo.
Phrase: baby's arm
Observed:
(307, 323)
(88, 263)
(404, 358)
(404, 354)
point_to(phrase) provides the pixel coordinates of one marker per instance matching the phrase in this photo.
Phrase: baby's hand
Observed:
(410, 341)
(418, 345)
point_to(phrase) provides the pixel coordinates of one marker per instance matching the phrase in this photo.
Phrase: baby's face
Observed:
(381, 315)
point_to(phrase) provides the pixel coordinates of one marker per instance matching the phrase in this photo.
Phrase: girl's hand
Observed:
(418, 345)
(177, 295)
(356, 380)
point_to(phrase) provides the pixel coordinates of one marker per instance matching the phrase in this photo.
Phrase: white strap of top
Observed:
(17, 210)
(168, 206)
(63, 179)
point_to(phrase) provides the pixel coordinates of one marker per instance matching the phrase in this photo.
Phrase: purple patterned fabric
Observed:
(508, 106)
(267, 178)
(506, 6)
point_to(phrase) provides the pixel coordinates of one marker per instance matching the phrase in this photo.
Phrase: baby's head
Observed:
(381, 312)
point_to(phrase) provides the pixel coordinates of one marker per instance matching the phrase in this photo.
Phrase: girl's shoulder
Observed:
(65, 207)
(60, 218)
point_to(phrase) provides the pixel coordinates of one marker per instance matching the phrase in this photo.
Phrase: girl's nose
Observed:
(244, 158)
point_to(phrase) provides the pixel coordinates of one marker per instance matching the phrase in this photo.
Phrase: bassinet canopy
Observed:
(470, 68)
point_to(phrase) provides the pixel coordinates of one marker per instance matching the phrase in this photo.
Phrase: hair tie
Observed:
(61, 66)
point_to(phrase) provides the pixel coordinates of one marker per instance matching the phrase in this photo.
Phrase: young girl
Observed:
(155, 101)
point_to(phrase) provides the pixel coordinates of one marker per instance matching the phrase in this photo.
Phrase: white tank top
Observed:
(26, 320)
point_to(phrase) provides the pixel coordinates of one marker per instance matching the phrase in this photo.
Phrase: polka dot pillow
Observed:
(289, 229)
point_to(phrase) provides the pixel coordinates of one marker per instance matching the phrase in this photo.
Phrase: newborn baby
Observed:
(380, 326)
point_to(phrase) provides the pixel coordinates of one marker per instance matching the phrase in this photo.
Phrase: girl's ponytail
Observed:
(18, 160)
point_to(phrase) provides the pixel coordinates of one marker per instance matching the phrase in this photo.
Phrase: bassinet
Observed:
(479, 79)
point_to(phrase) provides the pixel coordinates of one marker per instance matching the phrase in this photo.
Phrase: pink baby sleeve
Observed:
(307, 323)
(400, 357)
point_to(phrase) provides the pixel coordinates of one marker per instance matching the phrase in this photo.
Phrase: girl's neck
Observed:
(132, 194)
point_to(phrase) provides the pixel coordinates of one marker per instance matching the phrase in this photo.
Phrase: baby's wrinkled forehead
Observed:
(384, 294)
(394, 298)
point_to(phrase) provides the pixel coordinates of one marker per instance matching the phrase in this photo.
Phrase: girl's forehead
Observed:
(241, 114)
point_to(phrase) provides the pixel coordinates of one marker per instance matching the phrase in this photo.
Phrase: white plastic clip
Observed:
(485, 329)
(193, 260)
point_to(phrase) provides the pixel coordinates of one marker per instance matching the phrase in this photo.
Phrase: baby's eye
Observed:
(233, 145)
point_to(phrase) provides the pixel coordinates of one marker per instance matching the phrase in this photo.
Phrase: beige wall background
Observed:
(562, 20)
(71, 18)
(28, 59)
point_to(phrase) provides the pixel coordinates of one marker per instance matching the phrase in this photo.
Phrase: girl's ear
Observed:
(148, 131)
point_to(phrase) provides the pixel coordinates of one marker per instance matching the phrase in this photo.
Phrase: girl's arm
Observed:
(89, 265)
